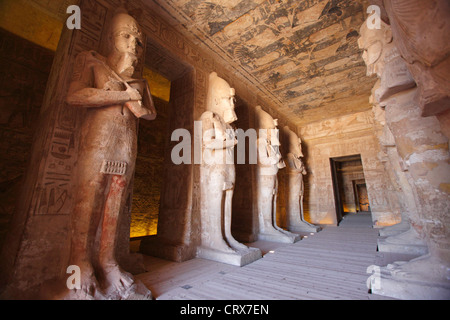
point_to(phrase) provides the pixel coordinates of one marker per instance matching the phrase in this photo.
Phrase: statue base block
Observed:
(304, 227)
(413, 249)
(237, 258)
(409, 289)
(162, 248)
(282, 237)
(394, 230)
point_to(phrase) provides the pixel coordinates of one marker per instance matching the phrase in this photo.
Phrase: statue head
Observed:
(265, 120)
(294, 143)
(373, 42)
(267, 126)
(221, 98)
(125, 43)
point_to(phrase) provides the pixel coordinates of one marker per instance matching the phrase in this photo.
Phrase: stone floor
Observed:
(331, 265)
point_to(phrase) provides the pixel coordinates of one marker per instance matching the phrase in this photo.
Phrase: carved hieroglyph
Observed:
(423, 150)
(113, 101)
(269, 162)
(217, 178)
(295, 186)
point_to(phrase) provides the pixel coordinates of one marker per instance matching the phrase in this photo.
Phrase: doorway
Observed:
(349, 186)
(166, 187)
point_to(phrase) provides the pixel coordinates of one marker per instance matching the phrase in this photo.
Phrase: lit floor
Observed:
(329, 265)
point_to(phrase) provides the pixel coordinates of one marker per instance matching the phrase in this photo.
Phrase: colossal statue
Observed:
(269, 162)
(113, 101)
(217, 178)
(420, 29)
(428, 173)
(383, 59)
(295, 186)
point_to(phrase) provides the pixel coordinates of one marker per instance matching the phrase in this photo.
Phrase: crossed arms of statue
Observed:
(216, 134)
(95, 85)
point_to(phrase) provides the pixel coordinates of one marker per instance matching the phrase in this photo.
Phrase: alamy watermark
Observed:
(74, 280)
(209, 142)
(374, 20)
(74, 21)
(374, 281)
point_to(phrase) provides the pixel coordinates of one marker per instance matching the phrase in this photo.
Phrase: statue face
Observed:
(226, 103)
(372, 49)
(372, 42)
(128, 42)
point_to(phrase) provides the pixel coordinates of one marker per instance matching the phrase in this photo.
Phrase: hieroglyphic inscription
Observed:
(53, 193)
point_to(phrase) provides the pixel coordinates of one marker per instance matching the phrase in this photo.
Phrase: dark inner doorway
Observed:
(349, 186)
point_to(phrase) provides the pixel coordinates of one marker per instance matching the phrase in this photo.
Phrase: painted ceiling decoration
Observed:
(302, 54)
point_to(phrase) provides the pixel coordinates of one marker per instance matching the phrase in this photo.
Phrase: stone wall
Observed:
(25, 70)
(148, 177)
(345, 136)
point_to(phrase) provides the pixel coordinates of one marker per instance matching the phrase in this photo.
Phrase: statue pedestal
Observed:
(237, 258)
(408, 287)
(407, 242)
(282, 237)
(395, 229)
(415, 249)
(303, 227)
(159, 247)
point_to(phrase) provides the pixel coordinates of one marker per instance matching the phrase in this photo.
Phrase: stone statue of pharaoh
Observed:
(383, 59)
(420, 29)
(113, 101)
(425, 277)
(295, 186)
(269, 162)
(391, 161)
(217, 178)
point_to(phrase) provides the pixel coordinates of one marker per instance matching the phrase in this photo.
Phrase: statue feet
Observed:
(89, 288)
(236, 245)
(117, 283)
(277, 234)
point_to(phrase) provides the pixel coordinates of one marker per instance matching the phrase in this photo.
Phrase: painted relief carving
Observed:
(113, 101)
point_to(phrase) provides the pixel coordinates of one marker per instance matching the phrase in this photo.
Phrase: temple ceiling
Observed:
(302, 55)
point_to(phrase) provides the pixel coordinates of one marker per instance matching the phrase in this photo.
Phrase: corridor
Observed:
(330, 265)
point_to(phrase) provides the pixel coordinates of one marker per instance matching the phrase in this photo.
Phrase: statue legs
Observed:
(218, 244)
(267, 196)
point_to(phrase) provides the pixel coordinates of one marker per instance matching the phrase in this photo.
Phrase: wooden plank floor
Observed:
(331, 264)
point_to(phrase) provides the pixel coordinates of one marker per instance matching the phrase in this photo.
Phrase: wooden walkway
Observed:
(328, 265)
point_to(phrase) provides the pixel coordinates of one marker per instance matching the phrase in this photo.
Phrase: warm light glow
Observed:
(145, 226)
(159, 86)
(26, 20)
